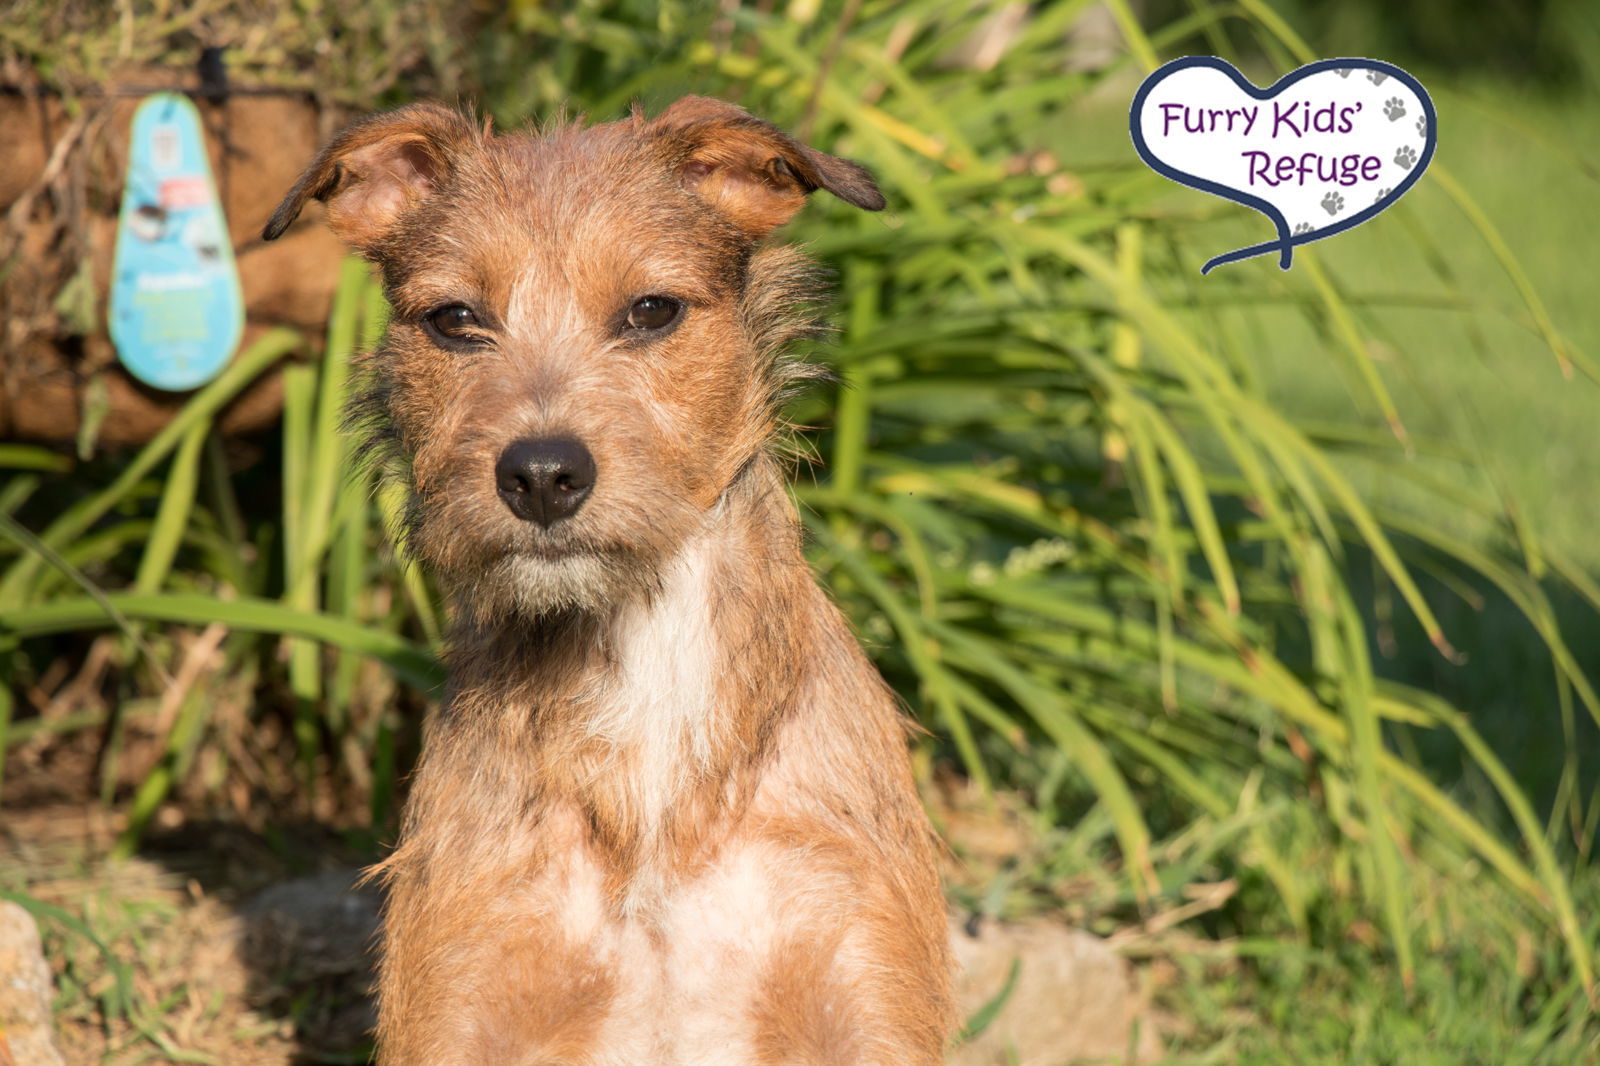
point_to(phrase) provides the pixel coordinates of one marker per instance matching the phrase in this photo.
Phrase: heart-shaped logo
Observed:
(1324, 149)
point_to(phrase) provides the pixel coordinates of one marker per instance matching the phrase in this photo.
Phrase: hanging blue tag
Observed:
(176, 309)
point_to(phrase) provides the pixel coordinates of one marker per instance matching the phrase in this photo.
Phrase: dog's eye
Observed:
(455, 321)
(653, 312)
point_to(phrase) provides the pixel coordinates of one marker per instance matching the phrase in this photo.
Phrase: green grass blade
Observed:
(177, 501)
(412, 664)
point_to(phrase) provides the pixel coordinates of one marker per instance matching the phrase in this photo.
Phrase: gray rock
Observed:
(1073, 1000)
(312, 940)
(25, 993)
(313, 927)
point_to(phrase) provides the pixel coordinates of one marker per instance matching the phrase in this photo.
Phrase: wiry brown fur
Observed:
(666, 814)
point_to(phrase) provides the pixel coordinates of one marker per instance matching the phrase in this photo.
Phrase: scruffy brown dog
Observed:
(666, 815)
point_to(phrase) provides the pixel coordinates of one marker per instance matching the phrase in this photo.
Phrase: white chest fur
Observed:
(655, 708)
(688, 972)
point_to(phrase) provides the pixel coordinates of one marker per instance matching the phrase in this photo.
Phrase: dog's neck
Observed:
(650, 722)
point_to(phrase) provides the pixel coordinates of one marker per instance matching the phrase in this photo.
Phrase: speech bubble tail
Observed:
(1284, 246)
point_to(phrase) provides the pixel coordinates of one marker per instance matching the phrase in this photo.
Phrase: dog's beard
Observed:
(515, 573)
(538, 585)
(541, 585)
(535, 586)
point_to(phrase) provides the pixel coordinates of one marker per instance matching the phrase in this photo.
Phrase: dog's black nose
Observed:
(544, 481)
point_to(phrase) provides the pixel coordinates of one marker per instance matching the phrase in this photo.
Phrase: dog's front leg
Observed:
(515, 977)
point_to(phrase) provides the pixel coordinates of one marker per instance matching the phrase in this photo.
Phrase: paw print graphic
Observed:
(1382, 195)
(1304, 227)
(1422, 127)
(1406, 156)
(1394, 109)
(1333, 203)
(1377, 77)
(1343, 72)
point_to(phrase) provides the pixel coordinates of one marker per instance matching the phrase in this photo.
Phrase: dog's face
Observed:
(582, 355)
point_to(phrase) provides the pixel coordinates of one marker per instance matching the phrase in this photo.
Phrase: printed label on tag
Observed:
(176, 308)
(1326, 148)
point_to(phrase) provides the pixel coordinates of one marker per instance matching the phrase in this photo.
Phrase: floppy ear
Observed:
(751, 171)
(376, 170)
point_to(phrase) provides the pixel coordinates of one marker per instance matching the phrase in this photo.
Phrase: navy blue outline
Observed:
(1286, 240)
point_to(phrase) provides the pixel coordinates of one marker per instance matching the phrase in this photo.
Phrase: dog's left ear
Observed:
(750, 170)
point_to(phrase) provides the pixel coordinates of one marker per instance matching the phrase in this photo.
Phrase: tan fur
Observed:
(666, 815)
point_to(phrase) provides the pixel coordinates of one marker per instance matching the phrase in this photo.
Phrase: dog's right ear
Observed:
(378, 169)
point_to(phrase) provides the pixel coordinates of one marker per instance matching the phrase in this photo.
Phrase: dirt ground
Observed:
(174, 961)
